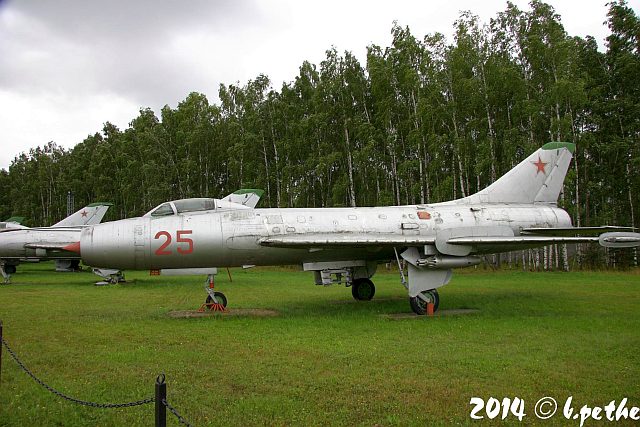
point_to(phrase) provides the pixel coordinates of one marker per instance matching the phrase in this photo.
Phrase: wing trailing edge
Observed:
(319, 240)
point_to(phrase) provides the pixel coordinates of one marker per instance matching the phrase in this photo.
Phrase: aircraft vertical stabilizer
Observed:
(537, 179)
(245, 196)
(89, 215)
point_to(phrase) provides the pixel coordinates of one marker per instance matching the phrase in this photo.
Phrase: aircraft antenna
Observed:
(70, 203)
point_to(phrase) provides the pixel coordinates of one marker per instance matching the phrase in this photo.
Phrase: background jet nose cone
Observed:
(73, 247)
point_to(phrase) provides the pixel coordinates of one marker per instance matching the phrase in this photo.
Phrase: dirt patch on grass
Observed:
(231, 312)
(439, 313)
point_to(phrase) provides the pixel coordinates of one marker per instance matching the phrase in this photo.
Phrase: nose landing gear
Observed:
(216, 301)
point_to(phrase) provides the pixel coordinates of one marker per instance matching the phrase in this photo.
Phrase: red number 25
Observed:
(162, 250)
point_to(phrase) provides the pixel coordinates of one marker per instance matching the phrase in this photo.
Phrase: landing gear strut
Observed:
(419, 303)
(363, 289)
(7, 270)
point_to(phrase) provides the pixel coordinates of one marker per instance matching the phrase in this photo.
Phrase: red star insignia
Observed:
(540, 165)
(83, 213)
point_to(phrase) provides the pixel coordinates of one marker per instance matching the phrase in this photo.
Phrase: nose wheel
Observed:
(217, 298)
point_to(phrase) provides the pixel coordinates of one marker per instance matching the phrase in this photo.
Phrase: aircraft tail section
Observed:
(537, 179)
(89, 215)
(16, 220)
(245, 196)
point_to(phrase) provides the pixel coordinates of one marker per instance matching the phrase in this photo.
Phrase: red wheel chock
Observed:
(430, 309)
(211, 306)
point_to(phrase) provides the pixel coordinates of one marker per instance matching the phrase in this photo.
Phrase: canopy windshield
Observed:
(194, 205)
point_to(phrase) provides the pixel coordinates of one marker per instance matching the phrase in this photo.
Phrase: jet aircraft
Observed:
(345, 245)
(18, 242)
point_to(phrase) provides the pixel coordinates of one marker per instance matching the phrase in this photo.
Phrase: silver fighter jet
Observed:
(19, 243)
(345, 245)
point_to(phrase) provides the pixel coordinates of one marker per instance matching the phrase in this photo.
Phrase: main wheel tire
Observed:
(220, 297)
(419, 306)
(10, 269)
(363, 289)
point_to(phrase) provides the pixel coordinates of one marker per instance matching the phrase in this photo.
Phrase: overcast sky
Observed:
(68, 66)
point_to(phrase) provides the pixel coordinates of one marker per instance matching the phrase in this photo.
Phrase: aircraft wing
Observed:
(494, 244)
(497, 244)
(525, 241)
(447, 242)
(327, 240)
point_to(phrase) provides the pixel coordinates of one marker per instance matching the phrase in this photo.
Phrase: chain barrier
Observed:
(171, 409)
(69, 398)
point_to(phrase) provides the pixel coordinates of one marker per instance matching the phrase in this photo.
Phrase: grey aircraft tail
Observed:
(89, 215)
(537, 179)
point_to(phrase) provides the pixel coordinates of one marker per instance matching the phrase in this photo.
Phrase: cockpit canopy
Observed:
(176, 207)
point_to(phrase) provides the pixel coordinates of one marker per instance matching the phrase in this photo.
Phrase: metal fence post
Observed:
(161, 394)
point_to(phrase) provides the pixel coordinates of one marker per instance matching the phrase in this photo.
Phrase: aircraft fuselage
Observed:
(232, 237)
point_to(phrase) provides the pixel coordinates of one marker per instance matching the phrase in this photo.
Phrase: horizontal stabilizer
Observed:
(518, 240)
(575, 231)
(495, 244)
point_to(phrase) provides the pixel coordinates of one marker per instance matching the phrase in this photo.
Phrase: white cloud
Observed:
(70, 65)
(27, 122)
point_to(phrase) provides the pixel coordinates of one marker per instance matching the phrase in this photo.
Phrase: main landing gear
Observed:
(7, 270)
(363, 289)
(422, 279)
(419, 303)
(216, 301)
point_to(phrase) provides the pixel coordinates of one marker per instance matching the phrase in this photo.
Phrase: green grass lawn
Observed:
(327, 359)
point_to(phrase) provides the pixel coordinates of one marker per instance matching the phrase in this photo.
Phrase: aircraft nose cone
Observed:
(73, 247)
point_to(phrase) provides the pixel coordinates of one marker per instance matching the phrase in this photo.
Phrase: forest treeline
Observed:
(424, 120)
